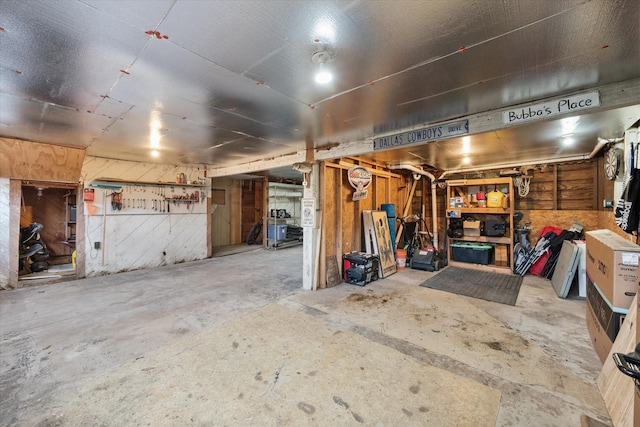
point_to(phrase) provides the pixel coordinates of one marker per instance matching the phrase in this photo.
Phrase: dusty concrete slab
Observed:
(455, 329)
(277, 366)
(57, 339)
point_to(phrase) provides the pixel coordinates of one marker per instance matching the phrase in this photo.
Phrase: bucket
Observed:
(401, 259)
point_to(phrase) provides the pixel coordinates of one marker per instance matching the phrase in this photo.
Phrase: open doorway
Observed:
(48, 225)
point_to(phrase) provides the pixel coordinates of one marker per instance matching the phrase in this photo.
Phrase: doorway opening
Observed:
(48, 225)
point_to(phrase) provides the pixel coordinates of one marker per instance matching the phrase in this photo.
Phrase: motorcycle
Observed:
(34, 255)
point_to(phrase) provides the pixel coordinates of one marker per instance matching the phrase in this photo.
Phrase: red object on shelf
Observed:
(88, 195)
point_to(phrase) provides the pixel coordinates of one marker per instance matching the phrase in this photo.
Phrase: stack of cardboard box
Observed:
(612, 282)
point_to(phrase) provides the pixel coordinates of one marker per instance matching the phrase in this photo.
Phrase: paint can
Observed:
(401, 259)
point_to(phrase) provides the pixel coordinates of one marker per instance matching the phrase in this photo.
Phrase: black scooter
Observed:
(34, 255)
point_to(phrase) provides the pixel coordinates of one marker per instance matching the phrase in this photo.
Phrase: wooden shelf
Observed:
(496, 211)
(458, 188)
(484, 239)
(183, 200)
(166, 184)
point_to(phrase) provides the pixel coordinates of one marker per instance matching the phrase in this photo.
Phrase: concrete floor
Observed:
(233, 340)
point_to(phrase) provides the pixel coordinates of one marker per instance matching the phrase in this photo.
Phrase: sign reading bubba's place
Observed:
(360, 179)
(544, 110)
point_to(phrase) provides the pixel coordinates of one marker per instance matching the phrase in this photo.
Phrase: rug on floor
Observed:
(496, 287)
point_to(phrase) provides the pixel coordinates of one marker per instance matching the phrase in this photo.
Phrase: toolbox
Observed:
(476, 253)
(359, 268)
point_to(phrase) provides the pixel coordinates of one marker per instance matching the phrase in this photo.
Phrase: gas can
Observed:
(494, 199)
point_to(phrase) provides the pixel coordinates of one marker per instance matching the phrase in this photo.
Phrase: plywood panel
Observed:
(28, 160)
(351, 217)
(235, 223)
(616, 388)
(221, 216)
(607, 220)
(561, 219)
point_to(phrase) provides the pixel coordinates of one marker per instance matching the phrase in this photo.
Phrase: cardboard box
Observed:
(471, 228)
(603, 321)
(612, 264)
(501, 254)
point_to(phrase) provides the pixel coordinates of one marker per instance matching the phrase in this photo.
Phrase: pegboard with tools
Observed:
(122, 198)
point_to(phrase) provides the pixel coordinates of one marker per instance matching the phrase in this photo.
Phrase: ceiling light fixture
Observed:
(321, 57)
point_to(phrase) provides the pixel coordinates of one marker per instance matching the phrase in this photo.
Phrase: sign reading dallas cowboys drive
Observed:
(416, 136)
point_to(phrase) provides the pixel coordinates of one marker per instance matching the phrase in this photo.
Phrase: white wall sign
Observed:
(359, 178)
(308, 212)
(569, 104)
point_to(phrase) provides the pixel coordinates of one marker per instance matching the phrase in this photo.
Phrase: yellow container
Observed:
(494, 199)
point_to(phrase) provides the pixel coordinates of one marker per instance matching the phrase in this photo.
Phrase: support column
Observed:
(311, 235)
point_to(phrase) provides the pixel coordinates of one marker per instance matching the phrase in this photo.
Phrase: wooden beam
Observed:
(345, 165)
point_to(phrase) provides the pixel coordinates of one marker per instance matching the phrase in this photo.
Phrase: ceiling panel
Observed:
(230, 82)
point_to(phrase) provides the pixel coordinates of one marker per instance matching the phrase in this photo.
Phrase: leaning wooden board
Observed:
(617, 389)
(378, 240)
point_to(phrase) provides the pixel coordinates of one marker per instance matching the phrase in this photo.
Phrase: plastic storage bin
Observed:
(277, 232)
(476, 253)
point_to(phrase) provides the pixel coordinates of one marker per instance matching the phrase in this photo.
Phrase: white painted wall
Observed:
(4, 232)
(137, 237)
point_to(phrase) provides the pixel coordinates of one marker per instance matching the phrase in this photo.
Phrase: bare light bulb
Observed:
(323, 77)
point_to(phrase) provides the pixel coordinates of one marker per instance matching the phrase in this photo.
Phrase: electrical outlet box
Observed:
(96, 245)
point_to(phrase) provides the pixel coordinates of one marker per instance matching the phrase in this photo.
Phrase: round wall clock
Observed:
(611, 163)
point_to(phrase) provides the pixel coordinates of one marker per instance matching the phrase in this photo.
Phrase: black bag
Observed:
(627, 210)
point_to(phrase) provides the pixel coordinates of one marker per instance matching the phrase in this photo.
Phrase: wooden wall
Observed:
(252, 205)
(561, 187)
(342, 217)
(226, 219)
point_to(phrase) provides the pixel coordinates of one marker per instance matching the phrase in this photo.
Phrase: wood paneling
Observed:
(252, 194)
(561, 219)
(562, 187)
(28, 160)
(221, 218)
(342, 217)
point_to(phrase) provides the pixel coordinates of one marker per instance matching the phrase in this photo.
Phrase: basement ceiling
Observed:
(229, 84)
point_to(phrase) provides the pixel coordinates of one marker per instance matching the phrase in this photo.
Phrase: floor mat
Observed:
(496, 287)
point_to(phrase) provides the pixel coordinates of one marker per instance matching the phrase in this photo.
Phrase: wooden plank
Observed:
(383, 243)
(616, 388)
(349, 219)
(235, 223)
(346, 165)
(333, 272)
